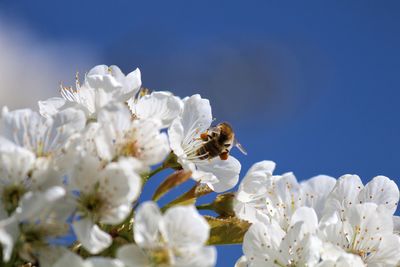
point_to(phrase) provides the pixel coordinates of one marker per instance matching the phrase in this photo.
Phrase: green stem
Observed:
(208, 206)
(186, 198)
(147, 176)
(189, 197)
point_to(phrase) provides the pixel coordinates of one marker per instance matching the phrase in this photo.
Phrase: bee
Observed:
(218, 141)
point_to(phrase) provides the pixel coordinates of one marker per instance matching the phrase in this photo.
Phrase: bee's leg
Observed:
(224, 155)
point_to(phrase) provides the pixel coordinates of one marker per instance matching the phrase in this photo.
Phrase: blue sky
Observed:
(312, 85)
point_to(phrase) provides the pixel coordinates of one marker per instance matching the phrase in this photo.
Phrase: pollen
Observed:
(130, 148)
(92, 204)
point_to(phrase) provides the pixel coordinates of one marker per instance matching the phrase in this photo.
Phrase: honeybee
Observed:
(218, 141)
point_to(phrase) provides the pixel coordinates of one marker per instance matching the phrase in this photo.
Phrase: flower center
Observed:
(92, 204)
(11, 196)
(34, 235)
(193, 147)
(159, 256)
(128, 145)
(130, 149)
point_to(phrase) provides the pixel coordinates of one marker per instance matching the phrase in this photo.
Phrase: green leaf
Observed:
(170, 182)
(226, 231)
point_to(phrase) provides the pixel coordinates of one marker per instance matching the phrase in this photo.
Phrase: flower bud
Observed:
(223, 204)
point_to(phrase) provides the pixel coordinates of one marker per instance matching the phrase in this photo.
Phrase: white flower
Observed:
(8, 235)
(39, 218)
(334, 256)
(15, 165)
(262, 194)
(241, 262)
(349, 190)
(365, 230)
(119, 135)
(70, 259)
(396, 224)
(31, 156)
(266, 244)
(176, 238)
(105, 195)
(162, 106)
(45, 137)
(102, 85)
(219, 175)
(22, 178)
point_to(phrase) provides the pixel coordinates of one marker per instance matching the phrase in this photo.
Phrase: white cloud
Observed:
(32, 68)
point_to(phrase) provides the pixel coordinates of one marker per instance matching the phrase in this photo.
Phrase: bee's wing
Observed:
(239, 146)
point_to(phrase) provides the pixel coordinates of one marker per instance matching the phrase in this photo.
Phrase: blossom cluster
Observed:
(318, 222)
(78, 166)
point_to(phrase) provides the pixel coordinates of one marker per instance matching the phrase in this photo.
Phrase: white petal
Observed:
(255, 183)
(147, 224)
(288, 189)
(388, 252)
(51, 106)
(114, 119)
(50, 255)
(103, 262)
(65, 123)
(261, 242)
(242, 262)
(42, 136)
(396, 224)
(246, 211)
(292, 241)
(176, 232)
(116, 215)
(113, 82)
(100, 77)
(22, 127)
(153, 145)
(70, 259)
(308, 217)
(369, 224)
(382, 191)
(284, 199)
(116, 114)
(344, 193)
(15, 164)
(315, 192)
(196, 114)
(311, 249)
(119, 182)
(220, 175)
(35, 204)
(118, 129)
(162, 106)
(86, 174)
(115, 72)
(176, 137)
(199, 257)
(133, 82)
(133, 256)
(8, 235)
(333, 256)
(92, 238)
(265, 166)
